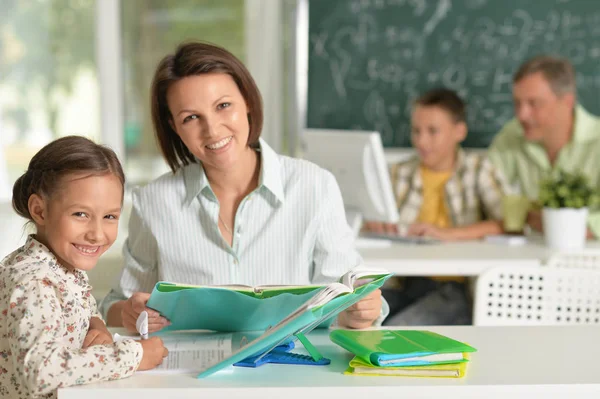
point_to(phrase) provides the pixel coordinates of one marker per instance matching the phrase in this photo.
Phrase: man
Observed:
(550, 132)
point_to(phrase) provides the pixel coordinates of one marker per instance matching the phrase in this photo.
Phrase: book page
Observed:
(357, 276)
(194, 352)
(324, 296)
(249, 288)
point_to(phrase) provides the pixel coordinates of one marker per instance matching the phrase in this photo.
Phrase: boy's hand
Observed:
(363, 313)
(380, 227)
(97, 334)
(429, 230)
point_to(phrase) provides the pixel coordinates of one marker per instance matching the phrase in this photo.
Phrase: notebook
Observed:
(323, 306)
(401, 347)
(230, 308)
(452, 370)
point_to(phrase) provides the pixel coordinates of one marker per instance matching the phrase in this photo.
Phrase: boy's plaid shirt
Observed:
(473, 193)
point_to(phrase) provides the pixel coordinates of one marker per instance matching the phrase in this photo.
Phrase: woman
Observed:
(232, 211)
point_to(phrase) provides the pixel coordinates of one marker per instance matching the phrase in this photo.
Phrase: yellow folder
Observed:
(455, 370)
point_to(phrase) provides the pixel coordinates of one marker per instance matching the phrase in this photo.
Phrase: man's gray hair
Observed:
(557, 71)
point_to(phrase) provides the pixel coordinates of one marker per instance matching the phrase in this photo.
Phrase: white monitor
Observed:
(357, 161)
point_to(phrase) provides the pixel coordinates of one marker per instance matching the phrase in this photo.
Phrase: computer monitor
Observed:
(357, 161)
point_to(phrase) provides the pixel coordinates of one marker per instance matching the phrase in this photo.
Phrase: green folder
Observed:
(401, 347)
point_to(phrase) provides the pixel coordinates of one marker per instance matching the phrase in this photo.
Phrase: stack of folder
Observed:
(409, 353)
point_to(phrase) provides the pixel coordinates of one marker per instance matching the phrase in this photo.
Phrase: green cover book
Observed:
(231, 308)
(323, 306)
(401, 347)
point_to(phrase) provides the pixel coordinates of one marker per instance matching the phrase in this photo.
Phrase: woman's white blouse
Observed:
(291, 230)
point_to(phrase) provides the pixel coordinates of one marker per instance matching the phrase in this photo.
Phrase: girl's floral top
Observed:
(45, 313)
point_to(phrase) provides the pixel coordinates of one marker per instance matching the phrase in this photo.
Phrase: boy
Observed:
(444, 193)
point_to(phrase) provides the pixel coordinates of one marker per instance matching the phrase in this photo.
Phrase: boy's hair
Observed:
(193, 59)
(446, 99)
(70, 154)
(558, 72)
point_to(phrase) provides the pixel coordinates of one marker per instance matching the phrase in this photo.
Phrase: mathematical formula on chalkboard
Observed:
(369, 59)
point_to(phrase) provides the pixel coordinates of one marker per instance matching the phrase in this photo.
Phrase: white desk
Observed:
(467, 258)
(515, 362)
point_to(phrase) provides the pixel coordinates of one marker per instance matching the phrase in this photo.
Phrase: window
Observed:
(152, 29)
(48, 79)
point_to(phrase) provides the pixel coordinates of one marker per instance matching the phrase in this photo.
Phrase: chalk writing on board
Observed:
(369, 59)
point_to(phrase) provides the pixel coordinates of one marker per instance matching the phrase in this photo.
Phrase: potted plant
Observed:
(566, 199)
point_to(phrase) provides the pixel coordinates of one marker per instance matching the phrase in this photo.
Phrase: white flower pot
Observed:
(565, 228)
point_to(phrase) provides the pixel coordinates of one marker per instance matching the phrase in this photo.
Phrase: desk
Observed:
(467, 258)
(511, 362)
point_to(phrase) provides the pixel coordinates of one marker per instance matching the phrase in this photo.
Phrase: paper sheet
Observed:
(190, 352)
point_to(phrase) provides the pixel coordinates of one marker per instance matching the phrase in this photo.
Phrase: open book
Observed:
(348, 280)
(326, 304)
(244, 308)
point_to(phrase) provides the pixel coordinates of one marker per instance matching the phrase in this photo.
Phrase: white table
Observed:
(511, 362)
(467, 258)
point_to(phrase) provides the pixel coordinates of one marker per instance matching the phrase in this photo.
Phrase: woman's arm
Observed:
(334, 254)
(140, 274)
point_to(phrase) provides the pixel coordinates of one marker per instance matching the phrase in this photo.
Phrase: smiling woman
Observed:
(232, 210)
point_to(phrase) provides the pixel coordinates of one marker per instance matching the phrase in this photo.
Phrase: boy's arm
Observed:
(471, 232)
(476, 230)
(491, 188)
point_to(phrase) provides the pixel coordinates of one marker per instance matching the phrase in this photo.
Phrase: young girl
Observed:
(51, 334)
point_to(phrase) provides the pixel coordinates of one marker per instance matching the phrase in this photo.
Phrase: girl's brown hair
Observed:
(71, 154)
(192, 59)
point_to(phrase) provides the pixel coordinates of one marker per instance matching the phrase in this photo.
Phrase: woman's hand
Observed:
(134, 306)
(363, 313)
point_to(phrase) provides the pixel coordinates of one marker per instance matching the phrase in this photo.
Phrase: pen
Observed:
(142, 324)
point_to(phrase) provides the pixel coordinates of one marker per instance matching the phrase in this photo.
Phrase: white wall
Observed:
(12, 232)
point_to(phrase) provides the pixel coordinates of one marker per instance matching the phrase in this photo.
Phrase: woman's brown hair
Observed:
(70, 154)
(192, 59)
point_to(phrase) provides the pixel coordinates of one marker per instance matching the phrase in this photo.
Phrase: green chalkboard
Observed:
(368, 59)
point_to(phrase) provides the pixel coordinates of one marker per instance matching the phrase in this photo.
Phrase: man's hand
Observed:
(534, 220)
(97, 334)
(363, 313)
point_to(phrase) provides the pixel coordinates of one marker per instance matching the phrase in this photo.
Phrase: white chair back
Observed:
(586, 259)
(537, 296)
